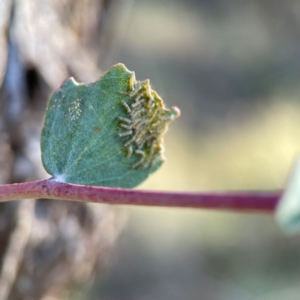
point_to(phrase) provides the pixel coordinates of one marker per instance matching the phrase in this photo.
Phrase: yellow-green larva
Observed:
(146, 121)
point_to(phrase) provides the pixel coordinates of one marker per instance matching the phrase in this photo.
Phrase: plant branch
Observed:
(262, 201)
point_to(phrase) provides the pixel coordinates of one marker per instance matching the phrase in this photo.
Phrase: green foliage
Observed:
(108, 133)
(288, 210)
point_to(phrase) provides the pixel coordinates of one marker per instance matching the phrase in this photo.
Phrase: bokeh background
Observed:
(233, 69)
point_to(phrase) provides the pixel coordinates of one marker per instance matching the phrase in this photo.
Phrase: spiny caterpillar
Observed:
(146, 122)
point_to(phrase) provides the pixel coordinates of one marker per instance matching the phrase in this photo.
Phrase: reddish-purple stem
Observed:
(263, 201)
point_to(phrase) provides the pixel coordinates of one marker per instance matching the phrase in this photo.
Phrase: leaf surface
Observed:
(107, 133)
(288, 209)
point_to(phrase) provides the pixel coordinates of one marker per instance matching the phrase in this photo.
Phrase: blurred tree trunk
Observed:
(48, 246)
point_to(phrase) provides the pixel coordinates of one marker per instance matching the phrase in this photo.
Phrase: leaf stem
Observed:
(261, 201)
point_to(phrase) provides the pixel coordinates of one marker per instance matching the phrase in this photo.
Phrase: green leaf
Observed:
(107, 133)
(288, 209)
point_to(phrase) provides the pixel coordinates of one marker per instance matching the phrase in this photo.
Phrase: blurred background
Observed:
(232, 68)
